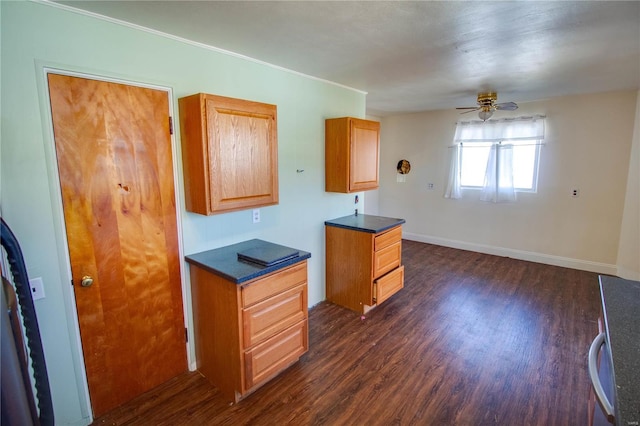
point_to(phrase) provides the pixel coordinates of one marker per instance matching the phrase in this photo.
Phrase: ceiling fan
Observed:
(487, 105)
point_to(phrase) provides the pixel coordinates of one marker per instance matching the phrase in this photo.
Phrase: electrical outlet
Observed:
(256, 215)
(37, 288)
(430, 186)
(575, 193)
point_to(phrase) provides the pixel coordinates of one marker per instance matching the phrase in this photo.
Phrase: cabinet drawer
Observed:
(273, 284)
(273, 315)
(270, 357)
(386, 239)
(386, 259)
(387, 286)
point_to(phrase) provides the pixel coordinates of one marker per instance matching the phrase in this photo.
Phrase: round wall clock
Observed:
(404, 167)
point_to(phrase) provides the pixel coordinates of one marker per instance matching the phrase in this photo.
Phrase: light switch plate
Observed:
(37, 288)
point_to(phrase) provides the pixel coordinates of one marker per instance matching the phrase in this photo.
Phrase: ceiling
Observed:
(417, 55)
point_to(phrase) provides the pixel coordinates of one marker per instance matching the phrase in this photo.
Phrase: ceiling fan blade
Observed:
(470, 110)
(507, 106)
(467, 108)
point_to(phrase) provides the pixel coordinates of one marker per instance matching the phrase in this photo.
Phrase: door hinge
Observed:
(170, 125)
(186, 335)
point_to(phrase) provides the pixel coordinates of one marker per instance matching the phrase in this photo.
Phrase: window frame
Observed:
(536, 162)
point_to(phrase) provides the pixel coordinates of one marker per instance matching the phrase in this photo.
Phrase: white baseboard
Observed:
(628, 274)
(566, 262)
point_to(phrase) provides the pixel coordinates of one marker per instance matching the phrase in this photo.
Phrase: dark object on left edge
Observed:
(18, 404)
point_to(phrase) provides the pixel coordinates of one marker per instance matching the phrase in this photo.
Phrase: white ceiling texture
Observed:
(417, 55)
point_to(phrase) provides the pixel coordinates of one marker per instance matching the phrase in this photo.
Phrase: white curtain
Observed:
(498, 183)
(454, 190)
(506, 129)
(498, 179)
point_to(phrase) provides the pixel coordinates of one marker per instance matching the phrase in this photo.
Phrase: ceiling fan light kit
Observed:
(485, 113)
(487, 105)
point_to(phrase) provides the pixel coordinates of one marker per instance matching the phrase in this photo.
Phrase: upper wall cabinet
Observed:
(229, 153)
(352, 147)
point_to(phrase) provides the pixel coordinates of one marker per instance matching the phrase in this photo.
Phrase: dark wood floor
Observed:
(472, 339)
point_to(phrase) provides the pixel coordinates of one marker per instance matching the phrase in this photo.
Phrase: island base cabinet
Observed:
(363, 269)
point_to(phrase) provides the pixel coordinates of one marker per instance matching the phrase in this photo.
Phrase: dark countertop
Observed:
(365, 223)
(224, 261)
(621, 309)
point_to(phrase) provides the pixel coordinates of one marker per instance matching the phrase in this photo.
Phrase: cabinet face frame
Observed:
(229, 153)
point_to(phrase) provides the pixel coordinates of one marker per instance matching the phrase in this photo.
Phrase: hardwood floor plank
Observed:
(472, 339)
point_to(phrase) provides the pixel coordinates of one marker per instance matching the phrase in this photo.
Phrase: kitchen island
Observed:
(363, 261)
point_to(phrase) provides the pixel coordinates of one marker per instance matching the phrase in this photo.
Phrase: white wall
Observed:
(588, 146)
(36, 35)
(629, 249)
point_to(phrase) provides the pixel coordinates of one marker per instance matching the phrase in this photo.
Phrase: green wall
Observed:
(35, 36)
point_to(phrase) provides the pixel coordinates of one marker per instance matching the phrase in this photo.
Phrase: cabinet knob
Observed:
(86, 281)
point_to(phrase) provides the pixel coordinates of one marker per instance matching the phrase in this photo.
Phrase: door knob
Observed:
(86, 281)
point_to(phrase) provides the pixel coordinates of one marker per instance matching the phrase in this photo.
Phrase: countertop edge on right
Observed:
(365, 223)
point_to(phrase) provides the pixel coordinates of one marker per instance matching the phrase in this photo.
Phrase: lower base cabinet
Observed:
(248, 333)
(363, 268)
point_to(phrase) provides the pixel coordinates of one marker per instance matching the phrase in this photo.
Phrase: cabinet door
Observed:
(230, 153)
(365, 141)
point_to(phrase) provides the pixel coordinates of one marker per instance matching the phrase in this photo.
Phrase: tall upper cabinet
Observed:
(352, 148)
(229, 153)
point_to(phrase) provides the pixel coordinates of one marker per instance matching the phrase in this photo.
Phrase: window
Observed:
(498, 156)
(473, 164)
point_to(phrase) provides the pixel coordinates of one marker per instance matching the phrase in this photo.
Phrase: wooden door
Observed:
(116, 175)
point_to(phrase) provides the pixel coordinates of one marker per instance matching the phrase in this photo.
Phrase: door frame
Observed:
(59, 223)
